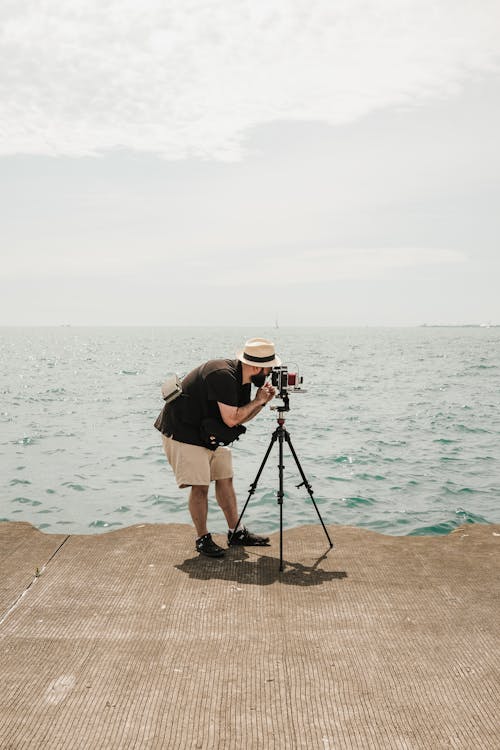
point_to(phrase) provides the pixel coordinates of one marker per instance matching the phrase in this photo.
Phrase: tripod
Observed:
(281, 435)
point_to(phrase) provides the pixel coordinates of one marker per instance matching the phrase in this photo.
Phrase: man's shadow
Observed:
(242, 567)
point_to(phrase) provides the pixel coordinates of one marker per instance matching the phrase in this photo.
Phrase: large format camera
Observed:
(285, 381)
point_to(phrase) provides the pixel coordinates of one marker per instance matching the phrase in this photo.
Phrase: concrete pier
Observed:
(129, 639)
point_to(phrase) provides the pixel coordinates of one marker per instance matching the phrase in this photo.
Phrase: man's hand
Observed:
(265, 394)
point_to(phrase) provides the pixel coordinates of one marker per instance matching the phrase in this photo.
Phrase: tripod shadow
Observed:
(254, 568)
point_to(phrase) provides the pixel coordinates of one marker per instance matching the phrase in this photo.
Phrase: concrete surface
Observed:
(130, 640)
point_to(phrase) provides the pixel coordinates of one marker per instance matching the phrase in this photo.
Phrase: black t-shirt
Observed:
(213, 381)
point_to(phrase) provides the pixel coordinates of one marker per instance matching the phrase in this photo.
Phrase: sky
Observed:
(220, 162)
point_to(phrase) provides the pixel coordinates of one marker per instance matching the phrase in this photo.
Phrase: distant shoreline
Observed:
(459, 325)
(123, 326)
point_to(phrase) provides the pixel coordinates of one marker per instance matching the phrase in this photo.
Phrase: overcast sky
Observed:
(223, 162)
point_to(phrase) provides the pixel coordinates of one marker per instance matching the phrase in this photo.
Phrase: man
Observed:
(197, 427)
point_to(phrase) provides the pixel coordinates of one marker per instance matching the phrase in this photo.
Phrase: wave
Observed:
(27, 501)
(460, 518)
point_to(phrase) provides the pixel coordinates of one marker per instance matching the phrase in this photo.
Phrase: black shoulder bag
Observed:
(215, 432)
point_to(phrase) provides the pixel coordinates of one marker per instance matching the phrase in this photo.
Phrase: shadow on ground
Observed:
(242, 567)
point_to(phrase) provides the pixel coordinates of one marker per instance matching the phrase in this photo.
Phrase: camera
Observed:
(284, 380)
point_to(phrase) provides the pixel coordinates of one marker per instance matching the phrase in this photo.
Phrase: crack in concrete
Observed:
(30, 584)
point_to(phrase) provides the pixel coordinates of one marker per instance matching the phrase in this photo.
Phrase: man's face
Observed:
(259, 378)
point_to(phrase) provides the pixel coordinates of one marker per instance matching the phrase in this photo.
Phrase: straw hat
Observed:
(259, 353)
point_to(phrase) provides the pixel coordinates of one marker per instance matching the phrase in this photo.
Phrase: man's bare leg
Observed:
(226, 497)
(198, 507)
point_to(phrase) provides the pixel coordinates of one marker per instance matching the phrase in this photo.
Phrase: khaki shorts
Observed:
(193, 464)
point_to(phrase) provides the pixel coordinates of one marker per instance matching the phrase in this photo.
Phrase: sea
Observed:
(397, 430)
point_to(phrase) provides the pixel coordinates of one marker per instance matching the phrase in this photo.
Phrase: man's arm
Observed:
(235, 415)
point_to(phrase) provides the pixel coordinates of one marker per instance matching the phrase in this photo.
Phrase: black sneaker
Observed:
(205, 545)
(245, 538)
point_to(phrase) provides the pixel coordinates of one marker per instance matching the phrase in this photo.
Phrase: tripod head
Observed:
(286, 404)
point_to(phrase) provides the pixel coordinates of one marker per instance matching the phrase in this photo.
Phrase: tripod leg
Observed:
(253, 486)
(306, 484)
(281, 492)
